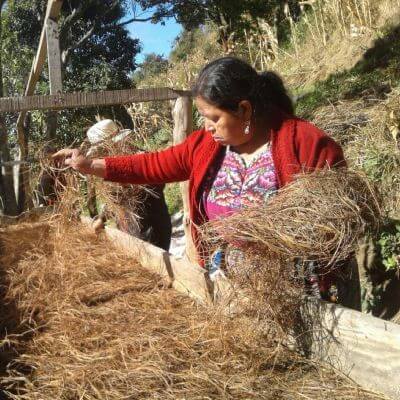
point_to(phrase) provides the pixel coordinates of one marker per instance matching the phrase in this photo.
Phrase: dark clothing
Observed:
(155, 222)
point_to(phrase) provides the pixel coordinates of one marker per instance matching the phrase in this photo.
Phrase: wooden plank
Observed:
(363, 347)
(53, 56)
(55, 73)
(35, 226)
(12, 163)
(53, 12)
(183, 127)
(87, 99)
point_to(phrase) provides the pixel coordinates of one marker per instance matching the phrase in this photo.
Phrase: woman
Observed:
(250, 146)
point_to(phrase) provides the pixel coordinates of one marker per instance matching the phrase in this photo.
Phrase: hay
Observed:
(318, 217)
(73, 191)
(376, 150)
(369, 131)
(305, 232)
(98, 326)
(120, 201)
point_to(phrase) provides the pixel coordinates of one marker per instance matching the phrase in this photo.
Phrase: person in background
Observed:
(149, 220)
(251, 145)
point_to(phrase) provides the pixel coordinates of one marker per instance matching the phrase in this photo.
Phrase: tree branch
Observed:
(83, 39)
(76, 13)
(136, 20)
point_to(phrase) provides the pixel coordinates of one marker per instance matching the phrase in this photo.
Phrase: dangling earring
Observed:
(247, 128)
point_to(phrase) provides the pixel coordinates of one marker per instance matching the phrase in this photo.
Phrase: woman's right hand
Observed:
(75, 159)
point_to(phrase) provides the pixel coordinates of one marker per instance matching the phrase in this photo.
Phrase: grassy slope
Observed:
(376, 73)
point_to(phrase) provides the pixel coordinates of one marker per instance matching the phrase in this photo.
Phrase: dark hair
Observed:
(227, 81)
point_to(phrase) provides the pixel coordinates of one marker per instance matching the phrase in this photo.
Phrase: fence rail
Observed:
(88, 99)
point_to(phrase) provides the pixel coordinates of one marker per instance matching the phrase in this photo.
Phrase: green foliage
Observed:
(97, 54)
(173, 197)
(152, 65)
(158, 140)
(379, 163)
(231, 16)
(389, 246)
(185, 44)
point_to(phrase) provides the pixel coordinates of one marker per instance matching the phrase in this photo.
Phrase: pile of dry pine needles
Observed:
(81, 320)
(92, 324)
(318, 217)
(120, 201)
(316, 221)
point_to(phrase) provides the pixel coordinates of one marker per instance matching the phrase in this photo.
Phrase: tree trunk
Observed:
(9, 201)
(51, 125)
(282, 22)
(25, 200)
(224, 33)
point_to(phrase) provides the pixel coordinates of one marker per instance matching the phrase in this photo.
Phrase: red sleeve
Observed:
(170, 165)
(316, 149)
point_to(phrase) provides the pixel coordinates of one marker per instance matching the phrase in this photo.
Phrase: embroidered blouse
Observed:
(235, 184)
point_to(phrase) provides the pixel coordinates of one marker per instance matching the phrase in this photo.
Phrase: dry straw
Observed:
(121, 201)
(84, 321)
(73, 190)
(89, 323)
(318, 217)
(308, 229)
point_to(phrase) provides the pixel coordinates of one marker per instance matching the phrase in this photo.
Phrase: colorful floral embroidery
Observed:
(237, 185)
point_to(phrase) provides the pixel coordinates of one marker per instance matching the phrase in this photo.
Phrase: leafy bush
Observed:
(389, 246)
(173, 197)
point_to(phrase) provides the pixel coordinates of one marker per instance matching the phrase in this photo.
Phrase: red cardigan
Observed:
(296, 145)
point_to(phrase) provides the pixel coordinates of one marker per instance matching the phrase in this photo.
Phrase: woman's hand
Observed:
(75, 159)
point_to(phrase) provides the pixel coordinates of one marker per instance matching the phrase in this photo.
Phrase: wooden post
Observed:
(53, 11)
(183, 126)
(54, 64)
(53, 55)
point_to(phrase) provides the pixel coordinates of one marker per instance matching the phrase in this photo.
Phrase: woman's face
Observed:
(226, 127)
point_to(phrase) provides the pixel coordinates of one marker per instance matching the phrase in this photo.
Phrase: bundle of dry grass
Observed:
(121, 202)
(72, 193)
(270, 294)
(284, 248)
(318, 217)
(98, 326)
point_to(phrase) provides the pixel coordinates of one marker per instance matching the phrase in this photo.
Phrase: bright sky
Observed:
(154, 38)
